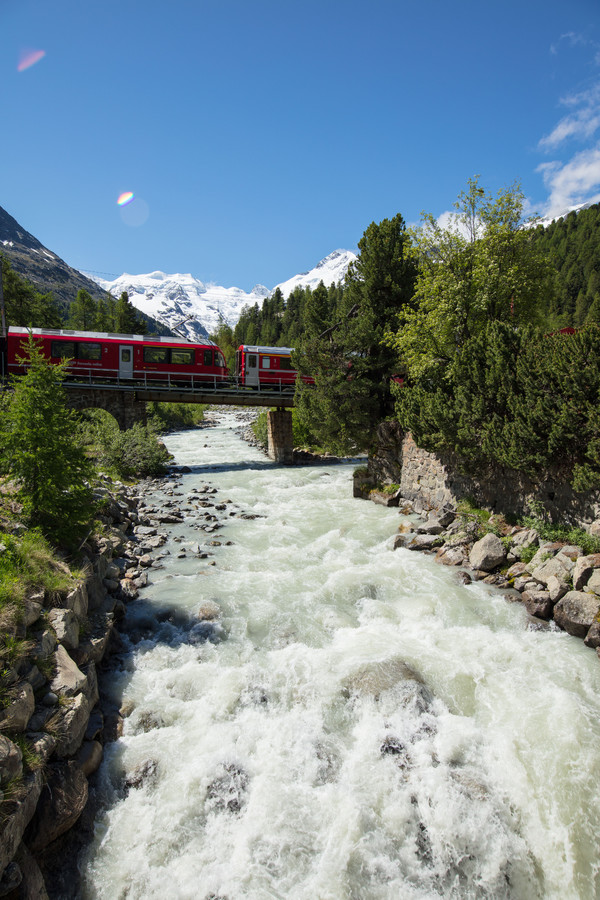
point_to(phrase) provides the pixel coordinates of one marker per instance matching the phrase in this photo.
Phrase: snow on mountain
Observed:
(198, 308)
(330, 270)
(184, 300)
(549, 219)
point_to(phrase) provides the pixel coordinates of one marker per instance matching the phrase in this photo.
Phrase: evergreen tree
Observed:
(82, 312)
(24, 305)
(127, 320)
(38, 448)
(350, 363)
(102, 321)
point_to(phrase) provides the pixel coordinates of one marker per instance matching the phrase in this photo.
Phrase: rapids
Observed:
(358, 725)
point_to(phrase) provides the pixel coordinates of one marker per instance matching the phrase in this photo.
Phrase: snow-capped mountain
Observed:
(186, 301)
(330, 270)
(548, 219)
(198, 308)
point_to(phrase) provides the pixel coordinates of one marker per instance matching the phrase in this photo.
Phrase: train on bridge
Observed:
(99, 357)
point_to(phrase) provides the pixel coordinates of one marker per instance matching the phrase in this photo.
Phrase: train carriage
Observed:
(266, 367)
(99, 355)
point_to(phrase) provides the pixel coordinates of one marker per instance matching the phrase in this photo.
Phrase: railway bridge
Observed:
(126, 401)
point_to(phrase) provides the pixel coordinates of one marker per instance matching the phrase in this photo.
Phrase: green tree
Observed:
(127, 320)
(349, 361)
(24, 305)
(82, 312)
(38, 448)
(481, 267)
(316, 311)
(103, 320)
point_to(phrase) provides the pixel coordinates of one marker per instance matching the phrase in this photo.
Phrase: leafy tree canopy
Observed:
(482, 266)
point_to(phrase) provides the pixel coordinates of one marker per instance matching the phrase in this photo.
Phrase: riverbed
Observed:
(355, 723)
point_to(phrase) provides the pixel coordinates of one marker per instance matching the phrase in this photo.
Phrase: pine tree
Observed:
(82, 312)
(38, 448)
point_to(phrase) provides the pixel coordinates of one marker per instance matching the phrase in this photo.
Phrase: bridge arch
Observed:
(122, 405)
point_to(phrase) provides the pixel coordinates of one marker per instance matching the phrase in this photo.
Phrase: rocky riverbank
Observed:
(558, 583)
(58, 720)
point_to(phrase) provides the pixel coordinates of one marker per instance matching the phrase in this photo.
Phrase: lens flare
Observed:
(29, 58)
(125, 198)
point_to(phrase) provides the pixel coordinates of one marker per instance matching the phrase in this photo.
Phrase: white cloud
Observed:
(572, 182)
(580, 124)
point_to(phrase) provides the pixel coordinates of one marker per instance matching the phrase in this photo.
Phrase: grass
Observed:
(28, 564)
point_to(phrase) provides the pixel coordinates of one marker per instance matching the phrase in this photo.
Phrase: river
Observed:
(360, 724)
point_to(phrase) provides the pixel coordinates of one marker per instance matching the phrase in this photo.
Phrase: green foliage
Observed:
(82, 312)
(572, 244)
(175, 416)
(575, 536)
(260, 428)
(135, 453)
(24, 305)
(523, 399)
(224, 338)
(482, 267)
(28, 562)
(38, 447)
(32, 761)
(350, 363)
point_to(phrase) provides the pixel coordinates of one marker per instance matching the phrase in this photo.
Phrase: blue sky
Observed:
(259, 135)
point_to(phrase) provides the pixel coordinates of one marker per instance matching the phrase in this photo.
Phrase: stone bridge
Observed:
(127, 405)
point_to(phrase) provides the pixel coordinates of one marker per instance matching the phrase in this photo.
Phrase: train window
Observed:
(252, 361)
(156, 355)
(208, 358)
(89, 351)
(266, 362)
(285, 362)
(63, 349)
(182, 357)
(220, 359)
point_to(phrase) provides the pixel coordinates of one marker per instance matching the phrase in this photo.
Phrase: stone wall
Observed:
(432, 481)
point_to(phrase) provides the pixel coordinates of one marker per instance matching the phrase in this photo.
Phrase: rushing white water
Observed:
(366, 728)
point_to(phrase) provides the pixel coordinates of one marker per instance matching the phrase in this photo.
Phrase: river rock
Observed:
(14, 826)
(72, 725)
(17, 714)
(66, 626)
(557, 567)
(452, 556)
(32, 609)
(208, 610)
(89, 757)
(45, 644)
(594, 582)
(423, 542)
(576, 612)
(32, 886)
(487, 553)
(60, 805)
(11, 879)
(11, 760)
(69, 679)
(556, 588)
(538, 603)
(526, 537)
(592, 638)
(77, 601)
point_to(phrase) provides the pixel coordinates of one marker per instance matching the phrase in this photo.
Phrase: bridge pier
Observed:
(280, 435)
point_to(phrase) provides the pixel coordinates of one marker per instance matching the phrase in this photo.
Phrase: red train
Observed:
(266, 367)
(97, 355)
